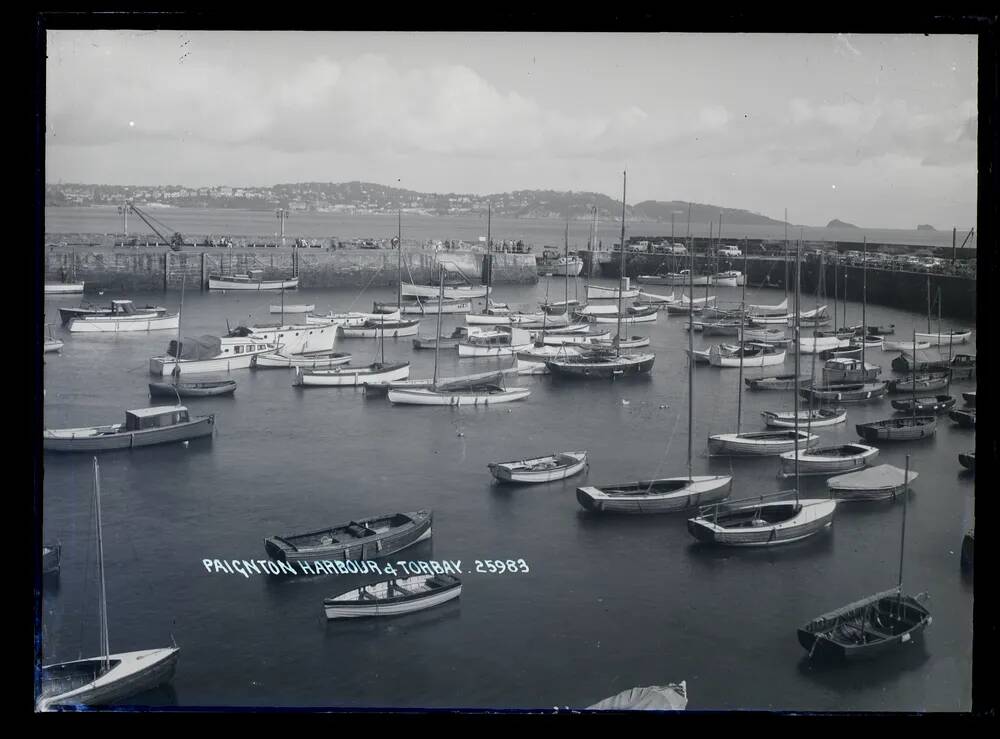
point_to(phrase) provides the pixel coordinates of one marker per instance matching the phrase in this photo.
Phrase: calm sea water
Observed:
(537, 231)
(608, 604)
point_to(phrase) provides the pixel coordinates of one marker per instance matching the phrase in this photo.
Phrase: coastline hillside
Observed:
(365, 197)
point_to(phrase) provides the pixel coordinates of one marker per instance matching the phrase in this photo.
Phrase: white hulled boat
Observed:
(209, 354)
(123, 317)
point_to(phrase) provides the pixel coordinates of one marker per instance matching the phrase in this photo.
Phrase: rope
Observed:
(377, 272)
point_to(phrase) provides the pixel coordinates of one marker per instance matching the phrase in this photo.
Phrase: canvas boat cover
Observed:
(652, 698)
(203, 347)
(882, 477)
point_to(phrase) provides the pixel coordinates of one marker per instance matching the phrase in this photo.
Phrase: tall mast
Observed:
(902, 538)
(437, 344)
(566, 267)
(928, 303)
(105, 645)
(864, 301)
(951, 337)
(706, 265)
(690, 345)
(489, 253)
(812, 369)
(798, 347)
(621, 282)
(864, 330)
(786, 253)
(399, 259)
(743, 318)
(177, 357)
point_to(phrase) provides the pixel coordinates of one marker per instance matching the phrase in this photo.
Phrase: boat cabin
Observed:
(142, 419)
(122, 308)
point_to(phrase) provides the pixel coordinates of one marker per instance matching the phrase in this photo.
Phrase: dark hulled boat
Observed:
(964, 418)
(936, 404)
(865, 629)
(369, 538)
(898, 429)
(192, 389)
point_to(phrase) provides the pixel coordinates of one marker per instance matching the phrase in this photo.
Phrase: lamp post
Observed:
(281, 214)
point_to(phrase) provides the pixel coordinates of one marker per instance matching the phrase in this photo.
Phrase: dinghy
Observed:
(753, 355)
(393, 597)
(349, 376)
(904, 346)
(721, 328)
(898, 429)
(665, 495)
(571, 339)
(865, 629)
(305, 360)
(817, 417)
(760, 523)
(764, 334)
(540, 469)
(601, 365)
(759, 443)
(142, 427)
(632, 342)
(777, 382)
(844, 392)
(964, 418)
(192, 389)
(874, 483)
(481, 395)
(293, 308)
(63, 288)
(670, 697)
(354, 318)
(497, 315)
(936, 404)
(544, 353)
(868, 342)
(970, 398)
(366, 538)
(634, 315)
(378, 329)
(560, 307)
(254, 280)
(817, 344)
(945, 338)
(924, 383)
(827, 460)
(968, 460)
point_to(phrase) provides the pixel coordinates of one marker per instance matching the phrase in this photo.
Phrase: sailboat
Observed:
(756, 443)
(768, 519)
(664, 495)
(872, 626)
(379, 372)
(478, 390)
(607, 364)
(108, 677)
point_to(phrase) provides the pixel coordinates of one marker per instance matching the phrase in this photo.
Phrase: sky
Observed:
(876, 130)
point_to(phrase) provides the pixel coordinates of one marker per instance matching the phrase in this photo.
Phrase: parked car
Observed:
(730, 251)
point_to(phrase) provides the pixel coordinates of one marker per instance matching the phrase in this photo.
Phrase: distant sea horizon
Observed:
(244, 223)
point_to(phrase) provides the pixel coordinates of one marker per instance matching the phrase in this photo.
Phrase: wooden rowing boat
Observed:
(815, 417)
(367, 538)
(665, 495)
(936, 404)
(898, 429)
(827, 460)
(394, 597)
(743, 523)
(540, 469)
(192, 389)
(759, 443)
(964, 418)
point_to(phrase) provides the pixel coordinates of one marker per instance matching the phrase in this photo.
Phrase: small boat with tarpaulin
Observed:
(366, 538)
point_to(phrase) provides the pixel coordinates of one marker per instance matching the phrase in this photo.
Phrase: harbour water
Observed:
(608, 603)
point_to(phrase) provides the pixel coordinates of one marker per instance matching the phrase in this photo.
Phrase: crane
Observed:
(176, 241)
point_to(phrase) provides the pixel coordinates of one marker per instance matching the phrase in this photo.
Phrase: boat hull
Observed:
(678, 494)
(402, 607)
(135, 673)
(816, 462)
(432, 291)
(192, 389)
(352, 376)
(509, 472)
(63, 288)
(164, 365)
(217, 283)
(291, 308)
(102, 324)
(823, 642)
(757, 444)
(186, 431)
(427, 396)
(902, 429)
(395, 540)
(944, 339)
(606, 369)
(277, 360)
(812, 517)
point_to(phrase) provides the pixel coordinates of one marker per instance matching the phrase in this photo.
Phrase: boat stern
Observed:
(591, 498)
